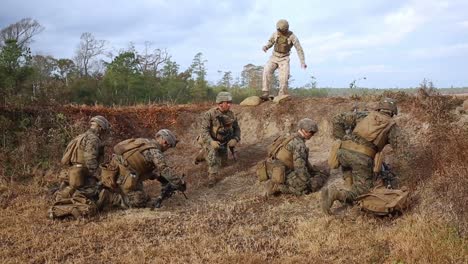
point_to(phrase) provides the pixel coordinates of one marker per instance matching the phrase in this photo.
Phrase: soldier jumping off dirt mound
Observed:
(219, 131)
(282, 40)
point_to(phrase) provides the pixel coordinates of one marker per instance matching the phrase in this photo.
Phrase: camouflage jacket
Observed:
(344, 124)
(300, 154)
(294, 41)
(213, 120)
(156, 157)
(93, 150)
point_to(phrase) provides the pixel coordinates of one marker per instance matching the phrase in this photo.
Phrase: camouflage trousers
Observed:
(295, 184)
(215, 158)
(122, 197)
(361, 168)
(282, 64)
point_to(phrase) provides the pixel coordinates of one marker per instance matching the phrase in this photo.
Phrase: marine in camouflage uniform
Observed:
(135, 161)
(220, 132)
(362, 135)
(82, 156)
(86, 155)
(292, 153)
(282, 40)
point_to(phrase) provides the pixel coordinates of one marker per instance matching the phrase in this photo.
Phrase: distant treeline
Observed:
(96, 76)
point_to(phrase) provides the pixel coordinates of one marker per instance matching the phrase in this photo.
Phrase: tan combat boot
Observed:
(212, 179)
(270, 188)
(200, 157)
(329, 195)
(265, 96)
(348, 179)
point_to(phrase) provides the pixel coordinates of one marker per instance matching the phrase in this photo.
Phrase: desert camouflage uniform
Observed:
(280, 60)
(299, 180)
(212, 119)
(136, 196)
(93, 154)
(359, 165)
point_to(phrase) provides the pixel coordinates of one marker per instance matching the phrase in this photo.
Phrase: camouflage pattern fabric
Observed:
(93, 153)
(281, 61)
(212, 120)
(298, 180)
(137, 197)
(357, 164)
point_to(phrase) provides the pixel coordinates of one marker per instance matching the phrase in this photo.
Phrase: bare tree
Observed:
(88, 49)
(150, 61)
(22, 31)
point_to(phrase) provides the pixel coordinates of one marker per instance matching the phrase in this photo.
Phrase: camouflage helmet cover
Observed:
(223, 97)
(101, 121)
(168, 136)
(282, 25)
(308, 125)
(388, 104)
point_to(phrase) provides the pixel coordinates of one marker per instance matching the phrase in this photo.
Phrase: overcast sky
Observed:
(391, 43)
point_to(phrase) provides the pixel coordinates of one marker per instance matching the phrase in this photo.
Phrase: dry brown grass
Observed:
(231, 223)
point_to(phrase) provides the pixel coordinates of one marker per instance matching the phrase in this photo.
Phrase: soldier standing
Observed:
(282, 40)
(219, 131)
(289, 157)
(137, 160)
(356, 155)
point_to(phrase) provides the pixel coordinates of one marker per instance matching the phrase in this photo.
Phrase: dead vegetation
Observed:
(231, 223)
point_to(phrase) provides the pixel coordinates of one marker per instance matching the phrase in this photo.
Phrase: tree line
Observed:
(96, 75)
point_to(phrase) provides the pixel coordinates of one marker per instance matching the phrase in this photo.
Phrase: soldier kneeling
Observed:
(287, 169)
(137, 160)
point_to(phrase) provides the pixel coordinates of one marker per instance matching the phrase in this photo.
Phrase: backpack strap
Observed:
(283, 143)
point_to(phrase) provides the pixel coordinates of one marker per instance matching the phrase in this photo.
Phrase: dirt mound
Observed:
(231, 222)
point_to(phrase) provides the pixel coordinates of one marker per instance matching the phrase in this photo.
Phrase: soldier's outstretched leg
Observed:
(330, 195)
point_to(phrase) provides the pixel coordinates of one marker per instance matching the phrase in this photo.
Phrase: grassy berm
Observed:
(232, 222)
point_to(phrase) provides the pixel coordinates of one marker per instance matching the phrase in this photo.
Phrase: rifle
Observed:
(167, 191)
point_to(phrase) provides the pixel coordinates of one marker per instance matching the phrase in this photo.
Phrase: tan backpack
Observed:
(76, 207)
(382, 201)
(71, 152)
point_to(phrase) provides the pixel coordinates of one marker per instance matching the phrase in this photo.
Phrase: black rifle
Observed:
(227, 135)
(168, 190)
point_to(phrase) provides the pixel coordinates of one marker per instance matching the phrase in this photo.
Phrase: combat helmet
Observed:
(282, 25)
(100, 121)
(223, 97)
(388, 104)
(308, 125)
(167, 135)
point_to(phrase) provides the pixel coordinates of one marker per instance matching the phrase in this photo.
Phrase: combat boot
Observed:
(265, 96)
(330, 195)
(212, 179)
(348, 179)
(200, 157)
(270, 188)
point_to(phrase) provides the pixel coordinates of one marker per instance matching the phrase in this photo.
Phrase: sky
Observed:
(393, 44)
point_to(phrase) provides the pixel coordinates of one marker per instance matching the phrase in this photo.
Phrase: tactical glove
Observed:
(215, 144)
(232, 143)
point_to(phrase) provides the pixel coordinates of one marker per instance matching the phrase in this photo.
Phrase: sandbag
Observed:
(251, 101)
(382, 201)
(333, 161)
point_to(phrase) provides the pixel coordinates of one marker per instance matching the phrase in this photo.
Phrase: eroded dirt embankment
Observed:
(231, 223)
